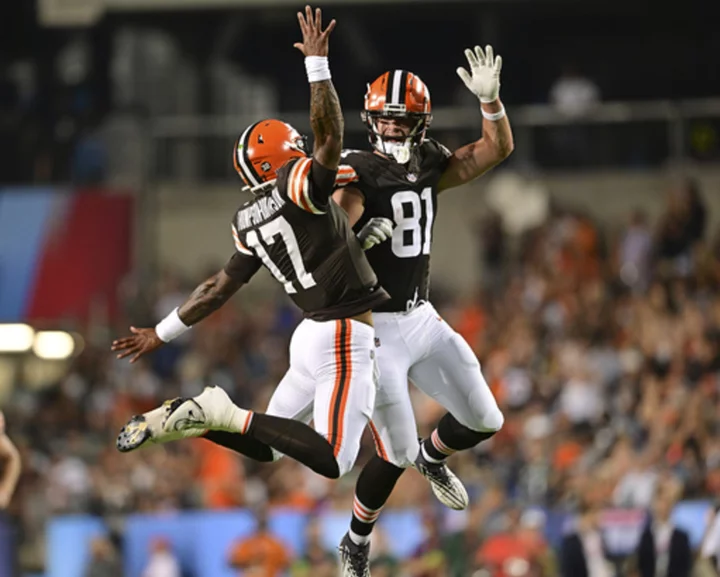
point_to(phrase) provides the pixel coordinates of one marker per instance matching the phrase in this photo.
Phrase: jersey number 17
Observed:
(279, 227)
(410, 238)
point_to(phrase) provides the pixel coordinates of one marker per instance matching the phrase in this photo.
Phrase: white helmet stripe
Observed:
(242, 161)
(397, 82)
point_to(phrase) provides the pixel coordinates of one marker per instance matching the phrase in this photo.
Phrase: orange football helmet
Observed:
(397, 94)
(262, 149)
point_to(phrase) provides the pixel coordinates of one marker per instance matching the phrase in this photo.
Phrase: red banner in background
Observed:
(86, 253)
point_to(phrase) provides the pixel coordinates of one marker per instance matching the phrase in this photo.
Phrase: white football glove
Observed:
(376, 230)
(483, 80)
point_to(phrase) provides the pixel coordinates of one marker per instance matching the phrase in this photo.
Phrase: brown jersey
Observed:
(305, 241)
(406, 194)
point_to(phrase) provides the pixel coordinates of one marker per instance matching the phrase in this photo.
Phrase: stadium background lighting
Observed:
(16, 338)
(53, 345)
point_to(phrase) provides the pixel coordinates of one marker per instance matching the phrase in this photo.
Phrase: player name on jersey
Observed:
(310, 250)
(264, 208)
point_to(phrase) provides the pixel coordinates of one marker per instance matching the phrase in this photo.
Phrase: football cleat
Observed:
(149, 428)
(448, 488)
(354, 559)
(210, 410)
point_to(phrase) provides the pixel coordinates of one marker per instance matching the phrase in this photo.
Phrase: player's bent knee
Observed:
(403, 461)
(402, 454)
(493, 420)
(334, 471)
(486, 416)
(409, 456)
(344, 466)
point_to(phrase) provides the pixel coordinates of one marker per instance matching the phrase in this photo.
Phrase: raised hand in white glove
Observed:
(376, 230)
(483, 80)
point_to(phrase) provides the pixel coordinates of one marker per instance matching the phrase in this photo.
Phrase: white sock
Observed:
(358, 539)
(428, 457)
(239, 420)
(221, 413)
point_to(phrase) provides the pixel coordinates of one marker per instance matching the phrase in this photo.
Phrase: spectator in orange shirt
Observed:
(520, 551)
(262, 554)
(222, 476)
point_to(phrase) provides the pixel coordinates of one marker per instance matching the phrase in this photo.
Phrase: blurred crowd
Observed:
(601, 345)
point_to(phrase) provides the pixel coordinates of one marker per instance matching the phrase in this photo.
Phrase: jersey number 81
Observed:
(409, 237)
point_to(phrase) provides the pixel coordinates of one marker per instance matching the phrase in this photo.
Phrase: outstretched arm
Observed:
(208, 297)
(496, 144)
(326, 117)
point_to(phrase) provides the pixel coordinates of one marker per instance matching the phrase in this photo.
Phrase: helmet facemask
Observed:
(398, 148)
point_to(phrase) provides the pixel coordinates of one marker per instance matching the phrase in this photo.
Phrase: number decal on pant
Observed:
(268, 231)
(409, 238)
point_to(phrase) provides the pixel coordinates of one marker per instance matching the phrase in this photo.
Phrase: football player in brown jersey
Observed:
(394, 199)
(292, 227)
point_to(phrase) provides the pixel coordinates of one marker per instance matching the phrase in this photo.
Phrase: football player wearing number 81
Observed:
(393, 205)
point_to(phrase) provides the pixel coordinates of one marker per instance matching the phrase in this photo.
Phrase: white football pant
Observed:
(421, 346)
(418, 345)
(332, 380)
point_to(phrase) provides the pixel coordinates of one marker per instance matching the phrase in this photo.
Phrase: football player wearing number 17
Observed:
(393, 205)
(293, 228)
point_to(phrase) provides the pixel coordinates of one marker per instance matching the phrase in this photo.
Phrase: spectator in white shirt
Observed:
(573, 94)
(163, 562)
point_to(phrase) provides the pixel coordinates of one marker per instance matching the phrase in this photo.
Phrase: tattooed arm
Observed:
(472, 160)
(496, 144)
(326, 116)
(205, 299)
(326, 119)
(208, 297)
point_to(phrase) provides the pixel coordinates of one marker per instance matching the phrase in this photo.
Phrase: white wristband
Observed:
(317, 68)
(171, 327)
(494, 116)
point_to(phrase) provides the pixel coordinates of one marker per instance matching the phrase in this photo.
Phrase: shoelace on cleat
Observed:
(358, 560)
(437, 472)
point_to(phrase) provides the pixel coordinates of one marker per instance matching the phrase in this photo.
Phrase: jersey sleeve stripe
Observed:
(303, 187)
(345, 175)
(295, 181)
(238, 243)
(346, 179)
(299, 186)
(307, 201)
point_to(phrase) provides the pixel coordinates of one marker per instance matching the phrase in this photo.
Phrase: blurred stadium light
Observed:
(69, 12)
(16, 338)
(47, 345)
(53, 345)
